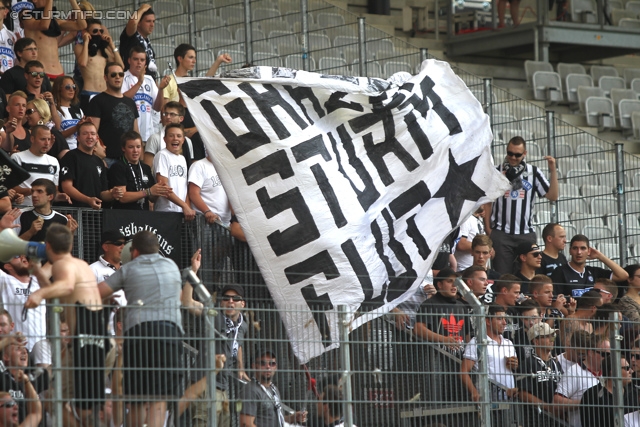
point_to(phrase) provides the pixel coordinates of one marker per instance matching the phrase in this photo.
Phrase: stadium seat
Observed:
(583, 11)
(565, 69)
(266, 58)
(269, 25)
(569, 190)
(570, 204)
(633, 237)
(618, 95)
(212, 34)
(599, 113)
(176, 28)
(232, 14)
(380, 47)
(635, 124)
(509, 133)
(522, 110)
(208, 19)
(530, 67)
(345, 41)
(392, 67)
(261, 13)
(295, 62)
(536, 127)
(588, 149)
(606, 83)
(168, 8)
(626, 108)
(623, 17)
(585, 92)
(598, 71)
(547, 86)
(581, 176)
(630, 74)
(328, 20)
(595, 232)
(334, 66)
(573, 81)
(256, 35)
(373, 68)
(590, 191)
(318, 42)
(633, 6)
(602, 166)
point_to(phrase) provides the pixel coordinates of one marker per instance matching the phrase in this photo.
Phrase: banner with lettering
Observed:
(345, 187)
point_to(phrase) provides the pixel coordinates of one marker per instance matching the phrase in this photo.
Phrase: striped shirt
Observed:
(512, 213)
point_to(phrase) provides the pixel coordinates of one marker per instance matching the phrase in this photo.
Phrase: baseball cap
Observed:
(540, 329)
(111, 236)
(525, 247)
(233, 287)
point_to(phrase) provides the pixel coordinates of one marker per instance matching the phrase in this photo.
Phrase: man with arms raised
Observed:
(136, 33)
(555, 239)
(41, 26)
(576, 275)
(74, 284)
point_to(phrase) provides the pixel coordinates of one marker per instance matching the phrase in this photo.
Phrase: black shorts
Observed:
(88, 358)
(153, 360)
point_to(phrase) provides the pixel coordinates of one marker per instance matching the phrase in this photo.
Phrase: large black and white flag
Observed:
(344, 186)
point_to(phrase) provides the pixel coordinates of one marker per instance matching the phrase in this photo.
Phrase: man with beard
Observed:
(93, 54)
(508, 219)
(576, 275)
(134, 178)
(113, 113)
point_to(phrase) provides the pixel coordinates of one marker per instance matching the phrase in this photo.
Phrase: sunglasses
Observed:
(68, 87)
(626, 368)
(8, 404)
(516, 155)
(536, 254)
(97, 30)
(602, 291)
(120, 74)
(268, 363)
(234, 298)
(30, 111)
(118, 243)
(169, 114)
(37, 74)
(602, 353)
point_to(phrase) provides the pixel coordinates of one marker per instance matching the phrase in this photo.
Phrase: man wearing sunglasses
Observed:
(529, 257)
(575, 276)
(34, 74)
(508, 219)
(261, 403)
(233, 327)
(14, 79)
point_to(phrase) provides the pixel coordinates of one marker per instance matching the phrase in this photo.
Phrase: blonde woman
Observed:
(38, 113)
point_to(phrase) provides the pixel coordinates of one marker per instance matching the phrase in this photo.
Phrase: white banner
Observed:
(344, 186)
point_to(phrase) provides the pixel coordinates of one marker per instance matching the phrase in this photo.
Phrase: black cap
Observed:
(233, 287)
(526, 247)
(262, 351)
(445, 273)
(111, 236)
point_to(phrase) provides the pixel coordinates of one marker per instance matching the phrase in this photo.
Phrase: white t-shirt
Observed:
(564, 362)
(14, 295)
(45, 166)
(497, 354)
(632, 419)
(468, 229)
(16, 7)
(7, 57)
(203, 174)
(69, 121)
(144, 99)
(575, 381)
(156, 143)
(173, 167)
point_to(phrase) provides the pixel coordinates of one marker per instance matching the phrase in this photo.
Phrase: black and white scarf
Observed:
(513, 173)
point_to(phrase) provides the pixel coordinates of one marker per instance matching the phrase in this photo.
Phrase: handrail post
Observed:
(248, 39)
(622, 203)
(362, 37)
(551, 149)
(616, 356)
(53, 312)
(305, 34)
(345, 358)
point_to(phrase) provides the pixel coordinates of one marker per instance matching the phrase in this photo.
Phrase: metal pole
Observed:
(362, 37)
(248, 47)
(451, 10)
(437, 19)
(211, 372)
(487, 97)
(479, 311)
(424, 54)
(536, 45)
(622, 204)
(616, 355)
(345, 356)
(305, 34)
(551, 149)
(192, 24)
(494, 15)
(53, 312)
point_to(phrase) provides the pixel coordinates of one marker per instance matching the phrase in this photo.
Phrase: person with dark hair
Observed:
(476, 279)
(83, 176)
(34, 75)
(502, 360)
(14, 79)
(16, 383)
(261, 403)
(95, 51)
(576, 275)
(330, 406)
(586, 308)
(525, 315)
(464, 242)
(607, 289)
(136, 33)
(508, 219)
(172, 112)
(481, 249)
(143, 90)
(601, 319)
(153, 360)
(597, 403)
(134, 178)
(44, 26)
(541, 373)
(171, 170)
(576, 351)
(630, 302)
(65, 94)
(555, 239)
(528, 257)
(7, 39)
(112, 113)
(34, 222)
(73, 282)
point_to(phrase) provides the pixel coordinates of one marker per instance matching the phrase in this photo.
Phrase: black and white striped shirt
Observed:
(512, 212)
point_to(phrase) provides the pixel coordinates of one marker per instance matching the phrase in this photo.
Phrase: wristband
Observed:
(206, 212)
(148, 191)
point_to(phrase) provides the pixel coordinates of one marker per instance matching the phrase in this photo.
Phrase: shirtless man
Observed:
(39, 26)
(93, 55)
(74, 283)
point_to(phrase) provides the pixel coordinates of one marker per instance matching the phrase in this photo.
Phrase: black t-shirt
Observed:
(597, 406)
(28, 216)
(3, 104)
(568, 280)
(518, 335)
(524, 283)
(126, 43)
(88, 173)
(549, 264)
(16, 390)
(540, 378)
(13, 79)
(445, 316)
(121, 173)
(117, 116)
